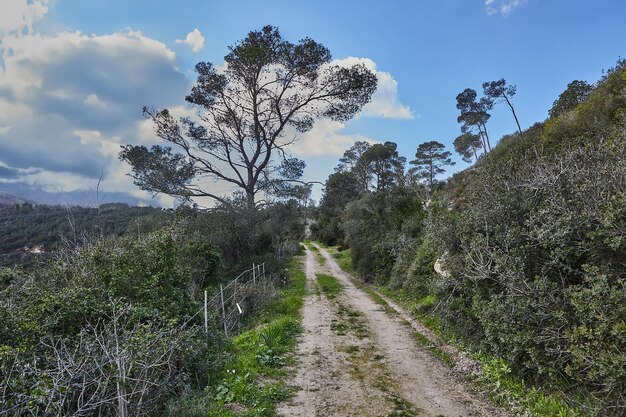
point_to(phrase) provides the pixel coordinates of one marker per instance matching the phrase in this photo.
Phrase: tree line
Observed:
(530, 239)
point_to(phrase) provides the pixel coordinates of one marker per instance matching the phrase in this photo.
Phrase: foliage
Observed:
(248, 112)
(529, 244)
(27, 227)
(602, 114)
(384, 164)
(576, 92)
(474, 115)
(111, 319)
(499, 90)
(244, 235)
(340, 189)
(379, 227)
(535, 254)
(349, 162)
(467, 145)
(430, 160)
(252, 378)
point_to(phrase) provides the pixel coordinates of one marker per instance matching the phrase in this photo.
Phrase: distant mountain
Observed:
(7, 200)
(85, 198)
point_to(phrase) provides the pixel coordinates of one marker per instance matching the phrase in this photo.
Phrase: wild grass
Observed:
(252, 382)
(329, 285)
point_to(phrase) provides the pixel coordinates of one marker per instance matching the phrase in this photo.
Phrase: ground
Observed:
(357, 358)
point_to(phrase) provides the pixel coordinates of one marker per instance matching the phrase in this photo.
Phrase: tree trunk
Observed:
(487, 136)
(519, 128)
(250, 200)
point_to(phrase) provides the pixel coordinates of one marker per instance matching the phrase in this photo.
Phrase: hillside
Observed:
(29, 231)
(530, 242)
(7, 200)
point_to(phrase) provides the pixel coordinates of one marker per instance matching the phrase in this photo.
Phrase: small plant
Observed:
(329, 285)
(269, 339)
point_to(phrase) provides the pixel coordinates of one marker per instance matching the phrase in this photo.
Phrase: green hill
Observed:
(30, 231)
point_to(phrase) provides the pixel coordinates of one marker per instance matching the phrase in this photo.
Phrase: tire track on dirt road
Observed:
(354, 359)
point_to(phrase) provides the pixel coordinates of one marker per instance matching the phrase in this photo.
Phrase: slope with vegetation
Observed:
(530, 244)
(28, 228)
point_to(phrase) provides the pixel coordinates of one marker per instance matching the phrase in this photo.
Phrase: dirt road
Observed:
(355, 359)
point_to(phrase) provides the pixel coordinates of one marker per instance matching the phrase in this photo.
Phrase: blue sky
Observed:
(74, 74)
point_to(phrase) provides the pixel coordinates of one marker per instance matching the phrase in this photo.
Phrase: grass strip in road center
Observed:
(329, 285)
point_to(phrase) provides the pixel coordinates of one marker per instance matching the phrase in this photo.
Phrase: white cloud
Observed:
(94, 101)
(71, 100)
(106, 147)
(326, 138)
(385, 102)
(19, 15)
(193, 39)
(505, 7)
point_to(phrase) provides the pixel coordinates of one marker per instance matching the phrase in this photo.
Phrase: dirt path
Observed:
(357, 360)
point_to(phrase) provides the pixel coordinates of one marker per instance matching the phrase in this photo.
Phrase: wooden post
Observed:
(223, 311)
(122, 401)
(206, 313)
(253, 274)
(263, 270)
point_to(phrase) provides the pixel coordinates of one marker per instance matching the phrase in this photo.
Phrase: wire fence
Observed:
(229, 305)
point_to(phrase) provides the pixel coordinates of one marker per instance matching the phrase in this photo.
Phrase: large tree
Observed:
(467, 145)
(350, 162)
(384, 163)
(248, 112)
(501, 91)
(474, 115)
(430, 160)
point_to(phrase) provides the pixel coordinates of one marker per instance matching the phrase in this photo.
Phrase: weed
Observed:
(351, 349)
(253, 378)
(329, 285)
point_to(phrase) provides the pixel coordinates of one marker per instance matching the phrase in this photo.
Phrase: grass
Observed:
(318, 254)
(329, 285)
(504, 388)
(344, 260)
(252, 382)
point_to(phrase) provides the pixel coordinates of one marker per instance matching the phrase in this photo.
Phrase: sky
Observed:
(75, 74)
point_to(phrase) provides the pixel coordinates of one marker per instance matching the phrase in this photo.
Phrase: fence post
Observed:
(264, 270)
(253, 274)
(206, 313)
(223, 311)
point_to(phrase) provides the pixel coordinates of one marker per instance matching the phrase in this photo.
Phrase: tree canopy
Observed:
(575, 93)
(248, 113)
(430, 160)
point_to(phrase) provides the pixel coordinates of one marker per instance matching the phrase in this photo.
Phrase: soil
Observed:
(356, 359)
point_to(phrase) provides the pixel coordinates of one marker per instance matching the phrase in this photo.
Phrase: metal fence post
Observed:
(223, 311)
(253, 274)
(206, 313)
(263, 270)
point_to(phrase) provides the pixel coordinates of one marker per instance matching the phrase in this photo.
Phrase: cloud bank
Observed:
(67, 103)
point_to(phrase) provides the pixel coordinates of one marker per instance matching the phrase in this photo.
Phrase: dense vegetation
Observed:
(531, 243)
(25, 227)
(120, 317)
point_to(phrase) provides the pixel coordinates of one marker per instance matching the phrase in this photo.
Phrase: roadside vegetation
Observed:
(518, 258)
(251, 380)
